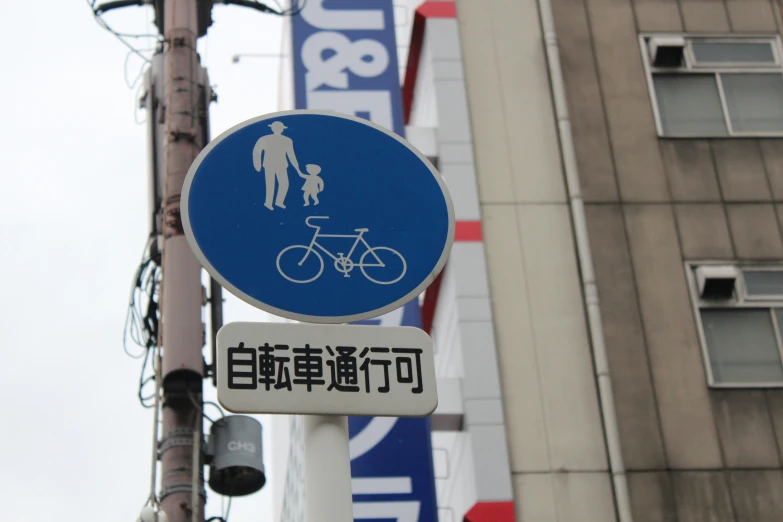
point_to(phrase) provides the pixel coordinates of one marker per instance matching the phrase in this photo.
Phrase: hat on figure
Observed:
(277, 126)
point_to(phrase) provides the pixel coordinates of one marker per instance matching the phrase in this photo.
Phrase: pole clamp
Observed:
(180, 487)
(173, 443)
(175, 438)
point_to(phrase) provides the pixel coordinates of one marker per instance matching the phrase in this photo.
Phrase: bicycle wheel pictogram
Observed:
(302, 264)
(384, 266)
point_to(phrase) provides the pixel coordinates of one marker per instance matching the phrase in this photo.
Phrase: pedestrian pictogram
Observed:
(273, 153)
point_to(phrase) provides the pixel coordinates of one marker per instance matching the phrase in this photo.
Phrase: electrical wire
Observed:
(201, 408)
(210, 419)
(222, 413)
(134, 328)
(155, 422)
(136, 107)
(141, 324)
(143, 319)
(158, 365)
(143, 381)
(105, 25)
(230, 498)
(291, 11)
(195, 467)
(294, 10)
(224, 516)
(142, 69)
(121, 36)
(280, 8)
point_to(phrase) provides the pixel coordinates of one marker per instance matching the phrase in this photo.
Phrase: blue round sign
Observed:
(317, 216)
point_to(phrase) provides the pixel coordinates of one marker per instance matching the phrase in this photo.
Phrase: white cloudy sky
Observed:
(75, 441)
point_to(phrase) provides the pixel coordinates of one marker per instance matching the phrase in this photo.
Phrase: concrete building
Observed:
(680, 172)
(610, 312)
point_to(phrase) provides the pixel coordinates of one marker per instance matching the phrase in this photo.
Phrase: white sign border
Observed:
(184, 210)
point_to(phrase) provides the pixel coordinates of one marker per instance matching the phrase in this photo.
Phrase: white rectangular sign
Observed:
(326, 369)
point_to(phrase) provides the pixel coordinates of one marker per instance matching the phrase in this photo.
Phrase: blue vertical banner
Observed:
(345, 60)
(391, 458)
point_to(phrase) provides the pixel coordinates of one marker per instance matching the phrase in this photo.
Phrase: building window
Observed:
(739, 311)
(715, 87)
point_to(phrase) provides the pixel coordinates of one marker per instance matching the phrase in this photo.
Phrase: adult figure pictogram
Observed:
(272, 153)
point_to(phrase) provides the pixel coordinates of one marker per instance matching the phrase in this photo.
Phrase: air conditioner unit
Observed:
(666, 51)
(716, 282)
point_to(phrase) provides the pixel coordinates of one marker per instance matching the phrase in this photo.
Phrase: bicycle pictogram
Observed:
(304, 264)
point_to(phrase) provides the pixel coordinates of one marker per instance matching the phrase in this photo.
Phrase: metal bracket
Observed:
(188, 135)
(178, 432)
(180, 487)
(173, 443)
(177, 437)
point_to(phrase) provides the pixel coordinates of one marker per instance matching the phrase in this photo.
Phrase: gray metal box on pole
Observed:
(235, 445)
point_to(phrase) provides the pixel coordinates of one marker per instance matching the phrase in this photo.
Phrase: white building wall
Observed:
(285, 79)
(281, 444)
(293, 499)
(455, 479)
(474, 463)
(425, 110)
(555, 437)
(403, 22)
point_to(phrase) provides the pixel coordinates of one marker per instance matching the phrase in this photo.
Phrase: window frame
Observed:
(690, 55)
(740, 301)
(691, 67)
(759, 298)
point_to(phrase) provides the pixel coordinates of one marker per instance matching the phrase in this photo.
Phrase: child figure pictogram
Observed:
(313, 184)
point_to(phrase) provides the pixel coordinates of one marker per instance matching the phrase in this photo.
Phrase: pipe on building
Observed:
(585, 259)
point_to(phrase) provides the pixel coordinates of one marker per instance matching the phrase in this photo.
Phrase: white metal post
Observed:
(327, 469)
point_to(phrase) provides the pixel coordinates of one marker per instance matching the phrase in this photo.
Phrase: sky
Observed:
(73, 224)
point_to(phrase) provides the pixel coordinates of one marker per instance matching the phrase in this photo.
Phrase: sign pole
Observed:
(328, 496)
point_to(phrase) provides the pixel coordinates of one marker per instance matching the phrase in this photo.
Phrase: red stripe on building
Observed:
(468, 231)
(491, 512)
(430, 302)
(464, 231)
(438, 9)
(425, 10)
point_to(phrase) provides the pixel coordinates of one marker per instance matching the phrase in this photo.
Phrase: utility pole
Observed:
(177, 100)
(182, 494)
